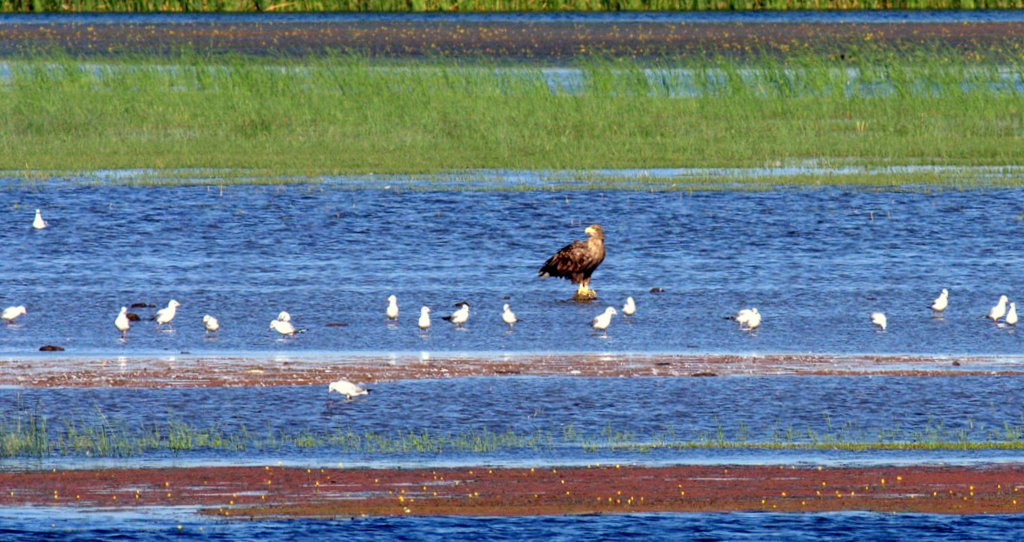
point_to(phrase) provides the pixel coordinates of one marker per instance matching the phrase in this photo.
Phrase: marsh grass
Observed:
(343, 115)
(32, 435)
(488, 5)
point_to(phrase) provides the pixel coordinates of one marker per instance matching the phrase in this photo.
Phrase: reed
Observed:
(342, 115)
(403, 6)
(28, 435)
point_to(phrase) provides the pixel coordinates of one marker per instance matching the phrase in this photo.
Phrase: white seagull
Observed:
(211, 324)
(742, 317)
(460, 316)
(121, 322)
(38, 223)
(603, 320)
(753, 320)
(878, 319)
(629, 309)
(1011, 315)
(284, 328)
(166, 314)
(508, 316)
(10, 313)
(346, 388)
(940, 303)
(424, 322)
(999, 310)
(392, 310)
(284, 316)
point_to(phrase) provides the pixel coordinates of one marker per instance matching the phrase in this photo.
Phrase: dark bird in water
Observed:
(577, 261)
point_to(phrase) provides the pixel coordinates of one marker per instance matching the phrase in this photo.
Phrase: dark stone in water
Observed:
(141, 306)
(336, 324)
(51, 348)
(956, 363)
(706, 373)
(657, 290)
(132, 317)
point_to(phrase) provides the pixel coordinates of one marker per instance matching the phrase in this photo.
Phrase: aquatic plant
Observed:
(294, 120)
(42, 6)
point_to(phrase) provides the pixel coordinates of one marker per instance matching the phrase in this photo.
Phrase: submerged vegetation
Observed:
(30, 435)
(486, 6)
(345, 115)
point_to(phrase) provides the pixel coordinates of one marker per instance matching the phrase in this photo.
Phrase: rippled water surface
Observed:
(571, 420)
(21, 524)
(816, 262)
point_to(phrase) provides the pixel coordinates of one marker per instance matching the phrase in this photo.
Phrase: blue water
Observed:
(36, 524)
(815, 262)
(602, 414)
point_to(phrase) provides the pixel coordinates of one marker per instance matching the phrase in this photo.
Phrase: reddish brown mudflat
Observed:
(173, 371)
(516, 40)
(266, 492)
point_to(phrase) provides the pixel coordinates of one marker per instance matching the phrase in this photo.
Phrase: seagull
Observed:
(742, 317)
(424, 322)
(346, 388)
(166, 314)
(284, 328)
(601, 321)
(284, 316)
(878, 319)
(211, 324)
(1011, 315)
(460, 316)
(121, 322)
(999, 310)
(508, 316)
(10, 313)
(38, 223)
(392, 310)
(629, 309)
(753, 320)
(940, 304)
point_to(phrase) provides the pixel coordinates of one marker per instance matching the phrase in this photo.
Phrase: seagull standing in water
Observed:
(284, 328)
(38, 223)
(940, 304)
(1011, 315)
(753, 320)
(629, 309)
(392, 310)
(878, 319)
(10, 313)
(424, 322)
(460, 316)
(121, 322)
(742, 317)
(603, 320)
(999, 310)
(346, 388)
(211, 324)
(166, 314)
(508, 316)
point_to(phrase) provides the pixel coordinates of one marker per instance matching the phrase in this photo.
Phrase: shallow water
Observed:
(574, 420)
(34, 524)
(816, 262)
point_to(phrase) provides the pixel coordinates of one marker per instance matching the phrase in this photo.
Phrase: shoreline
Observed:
(230, 371)
(283, 492)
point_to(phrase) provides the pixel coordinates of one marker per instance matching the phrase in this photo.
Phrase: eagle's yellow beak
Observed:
(589, 230)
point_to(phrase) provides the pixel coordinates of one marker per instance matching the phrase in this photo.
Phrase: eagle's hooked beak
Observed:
(589, 230)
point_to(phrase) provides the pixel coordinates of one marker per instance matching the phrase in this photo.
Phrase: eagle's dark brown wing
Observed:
(576, 261)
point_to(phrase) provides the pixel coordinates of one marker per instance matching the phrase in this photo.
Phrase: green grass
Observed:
(30, 435)
(486, 5)
(342, 115)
